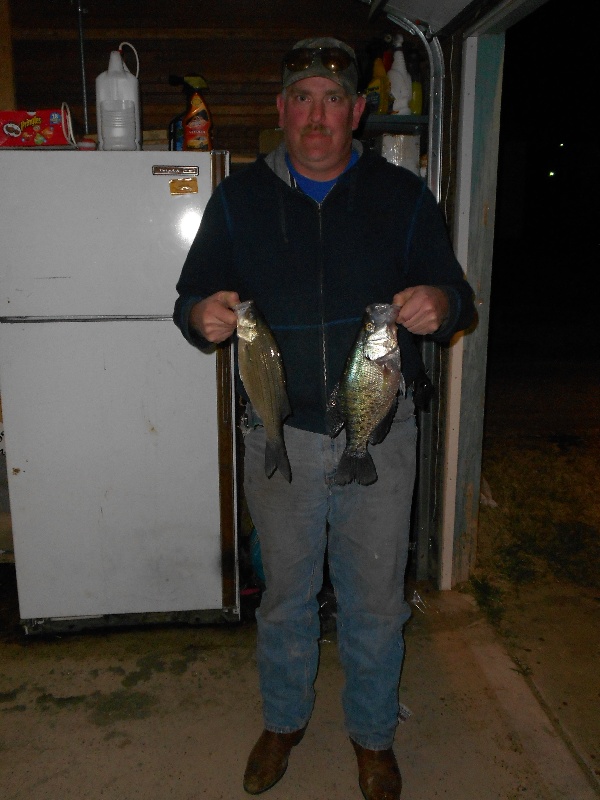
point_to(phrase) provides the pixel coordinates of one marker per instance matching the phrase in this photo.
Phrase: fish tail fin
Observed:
(276, 457)
(357, 467)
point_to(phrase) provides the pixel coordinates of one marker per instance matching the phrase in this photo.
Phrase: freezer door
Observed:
(97, 233)
(113, 464)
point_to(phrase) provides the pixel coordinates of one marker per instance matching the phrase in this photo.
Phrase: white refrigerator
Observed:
(119, 435)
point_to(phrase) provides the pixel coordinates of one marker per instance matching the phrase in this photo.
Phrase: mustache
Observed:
(323, 129)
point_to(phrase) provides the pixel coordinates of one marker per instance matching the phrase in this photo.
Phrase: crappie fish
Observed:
(261, 371)
(366, 397)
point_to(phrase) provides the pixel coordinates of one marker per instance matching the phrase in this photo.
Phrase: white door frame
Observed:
(477, 162)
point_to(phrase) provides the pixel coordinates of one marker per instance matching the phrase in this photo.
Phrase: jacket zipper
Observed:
(294, 185)
(322, 303)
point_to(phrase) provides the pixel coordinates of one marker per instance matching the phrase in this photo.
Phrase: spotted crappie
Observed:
(365, 399)
(261, 371)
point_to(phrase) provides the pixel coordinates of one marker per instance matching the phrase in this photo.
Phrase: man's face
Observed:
(318, 118)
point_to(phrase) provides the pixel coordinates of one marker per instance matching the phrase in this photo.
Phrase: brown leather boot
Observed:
(378, 774)
(268, 760)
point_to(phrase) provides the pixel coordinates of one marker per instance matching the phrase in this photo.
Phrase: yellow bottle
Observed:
(378, 90)
(416, 102)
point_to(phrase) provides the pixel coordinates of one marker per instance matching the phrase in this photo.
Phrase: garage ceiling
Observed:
(434, 14)
(440, 16)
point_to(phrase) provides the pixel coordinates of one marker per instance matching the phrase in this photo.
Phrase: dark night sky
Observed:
(547, 225)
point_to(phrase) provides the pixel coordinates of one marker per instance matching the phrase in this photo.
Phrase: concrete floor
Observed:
(160, 713)
(173, 712)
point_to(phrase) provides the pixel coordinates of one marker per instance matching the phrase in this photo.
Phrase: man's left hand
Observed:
(422, 308)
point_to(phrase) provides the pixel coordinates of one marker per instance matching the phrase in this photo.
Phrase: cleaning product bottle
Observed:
(175, 129)
(118, 105)
(175, 132)
(197, 122)
(378, 90)
(387, 55)
(414, 70)
(400, 80)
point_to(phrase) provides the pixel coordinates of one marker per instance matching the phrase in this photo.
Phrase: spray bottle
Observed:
(197, 122)
(118, 104)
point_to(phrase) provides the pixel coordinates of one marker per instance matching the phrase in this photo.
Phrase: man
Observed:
(313, 233)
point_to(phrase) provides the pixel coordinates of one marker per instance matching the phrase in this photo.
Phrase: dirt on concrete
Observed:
(174, 712)
(500, 685)
(537, 577)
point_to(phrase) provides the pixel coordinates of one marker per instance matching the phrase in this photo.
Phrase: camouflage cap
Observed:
(323, 57)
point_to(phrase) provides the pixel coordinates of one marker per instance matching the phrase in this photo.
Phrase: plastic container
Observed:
(414, 70)
(378, 90)
(175, 132)
(197, 122)
(198, 134)
(175, 128)
(404, 150)
(400, 80)
(118, 106)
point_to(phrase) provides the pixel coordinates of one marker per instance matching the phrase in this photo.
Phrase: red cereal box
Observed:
(41, 128)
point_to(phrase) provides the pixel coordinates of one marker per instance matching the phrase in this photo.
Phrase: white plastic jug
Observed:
(118, 106)
(400, 80)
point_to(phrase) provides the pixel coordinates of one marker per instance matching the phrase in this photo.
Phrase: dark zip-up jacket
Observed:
(313, 268)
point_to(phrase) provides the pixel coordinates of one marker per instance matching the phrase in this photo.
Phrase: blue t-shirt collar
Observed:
(318, 190)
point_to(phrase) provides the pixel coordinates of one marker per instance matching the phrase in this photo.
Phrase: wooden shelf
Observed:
(394, 123)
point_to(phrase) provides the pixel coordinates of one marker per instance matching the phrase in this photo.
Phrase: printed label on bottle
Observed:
(197, 132)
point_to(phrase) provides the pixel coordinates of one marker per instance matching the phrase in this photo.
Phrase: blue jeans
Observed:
(366, 529)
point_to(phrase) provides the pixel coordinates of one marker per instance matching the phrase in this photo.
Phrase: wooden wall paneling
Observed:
(236, 46)
(7, 86)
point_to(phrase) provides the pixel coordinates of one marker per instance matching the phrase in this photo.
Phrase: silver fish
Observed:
(261, 371)
(366, 397)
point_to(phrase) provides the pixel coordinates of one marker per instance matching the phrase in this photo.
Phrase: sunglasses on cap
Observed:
(333, 58)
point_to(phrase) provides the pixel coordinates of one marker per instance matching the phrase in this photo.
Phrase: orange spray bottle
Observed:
(197, 122)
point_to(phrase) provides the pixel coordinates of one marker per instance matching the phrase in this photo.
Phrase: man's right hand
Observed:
(214, 318)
